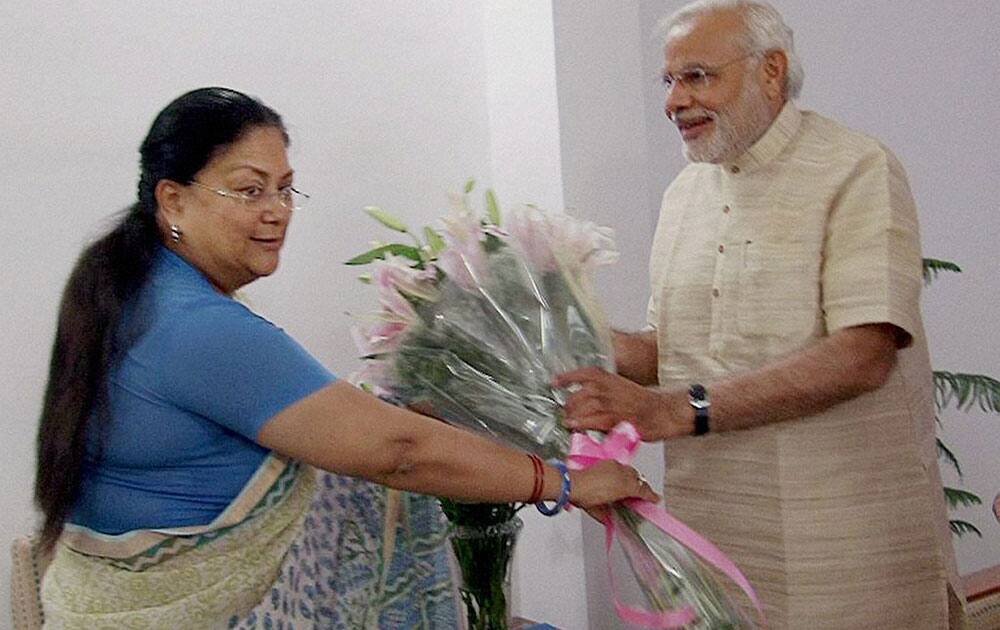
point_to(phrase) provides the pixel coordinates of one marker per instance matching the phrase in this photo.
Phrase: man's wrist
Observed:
(674, 417)
(701, 406)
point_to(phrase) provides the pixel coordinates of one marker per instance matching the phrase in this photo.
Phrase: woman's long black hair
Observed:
(90, 338)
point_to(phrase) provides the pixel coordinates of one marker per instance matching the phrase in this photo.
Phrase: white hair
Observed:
(765, 31)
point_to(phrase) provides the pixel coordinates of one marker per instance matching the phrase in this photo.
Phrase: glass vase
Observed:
(483, 554)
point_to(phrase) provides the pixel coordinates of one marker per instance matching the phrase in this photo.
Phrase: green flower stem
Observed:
(483, 543)
(676, 579)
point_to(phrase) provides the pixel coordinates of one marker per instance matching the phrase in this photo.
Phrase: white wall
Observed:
(943, 124)
(603, 137)
(393, 103)
(386, 104)
(527, 167)
(924, 77)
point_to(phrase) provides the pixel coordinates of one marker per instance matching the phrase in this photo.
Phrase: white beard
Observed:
(737, 127)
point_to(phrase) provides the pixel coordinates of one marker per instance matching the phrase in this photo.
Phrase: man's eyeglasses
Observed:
(256, 199)
(697, 78)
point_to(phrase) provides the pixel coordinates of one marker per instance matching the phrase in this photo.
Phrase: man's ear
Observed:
(775, 72)
(169, 200)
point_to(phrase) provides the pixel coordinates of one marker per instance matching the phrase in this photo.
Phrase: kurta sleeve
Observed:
(871, 259)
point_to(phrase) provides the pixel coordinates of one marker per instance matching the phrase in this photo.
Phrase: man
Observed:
(786, 337)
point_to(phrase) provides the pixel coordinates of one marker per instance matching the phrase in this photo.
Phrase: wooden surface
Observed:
(982, 583)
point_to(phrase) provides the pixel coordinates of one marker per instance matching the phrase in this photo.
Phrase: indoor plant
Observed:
(960, 391)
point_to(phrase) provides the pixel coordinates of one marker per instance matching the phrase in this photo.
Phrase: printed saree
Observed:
(298, 549)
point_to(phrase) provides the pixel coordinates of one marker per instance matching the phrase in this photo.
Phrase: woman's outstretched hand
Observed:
(607, 482)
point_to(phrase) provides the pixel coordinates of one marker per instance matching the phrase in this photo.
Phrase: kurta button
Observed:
(725, 209)
(715, 292)
(722, 248)
(734, 169)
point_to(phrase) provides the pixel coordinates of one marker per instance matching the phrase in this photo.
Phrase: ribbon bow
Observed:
(621, 444)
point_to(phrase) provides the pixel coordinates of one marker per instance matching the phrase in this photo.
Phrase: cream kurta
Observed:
(837, 519)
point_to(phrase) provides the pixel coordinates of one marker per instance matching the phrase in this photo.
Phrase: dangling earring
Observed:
(175, 233)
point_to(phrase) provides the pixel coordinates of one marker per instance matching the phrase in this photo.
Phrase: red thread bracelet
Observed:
(539, 484)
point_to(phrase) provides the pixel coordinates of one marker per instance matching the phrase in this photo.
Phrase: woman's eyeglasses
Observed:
(257, 199)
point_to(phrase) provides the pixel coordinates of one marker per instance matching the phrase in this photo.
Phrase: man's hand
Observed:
(604, 399)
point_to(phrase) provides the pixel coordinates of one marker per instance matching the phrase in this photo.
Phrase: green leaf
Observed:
(434, 240)
(960, 528)
(965, 390)
(469, 185)
(945, 453)
(960, 498)
(365, 278)
(492, 207)
(396, 249)
(933, 266)
(386, 219)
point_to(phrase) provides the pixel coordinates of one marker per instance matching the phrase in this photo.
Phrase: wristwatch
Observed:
(698, 399)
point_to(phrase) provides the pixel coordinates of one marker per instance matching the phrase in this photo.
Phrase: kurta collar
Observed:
(771, 144)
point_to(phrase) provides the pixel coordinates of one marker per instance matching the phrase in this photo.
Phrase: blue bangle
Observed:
(563, 499)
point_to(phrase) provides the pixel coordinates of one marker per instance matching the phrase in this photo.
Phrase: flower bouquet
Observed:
(475, 320)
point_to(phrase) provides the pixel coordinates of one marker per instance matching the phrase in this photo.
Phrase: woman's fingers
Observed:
(638, 485)
(645, 491)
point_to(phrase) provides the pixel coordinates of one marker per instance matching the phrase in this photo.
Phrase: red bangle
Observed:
(539, 480)
(539, 483)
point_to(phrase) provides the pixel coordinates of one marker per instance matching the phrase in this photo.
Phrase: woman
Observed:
(179, 430)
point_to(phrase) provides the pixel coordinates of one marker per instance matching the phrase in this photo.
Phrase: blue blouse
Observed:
(187, 403)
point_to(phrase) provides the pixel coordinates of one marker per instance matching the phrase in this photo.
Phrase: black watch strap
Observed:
(698, 398)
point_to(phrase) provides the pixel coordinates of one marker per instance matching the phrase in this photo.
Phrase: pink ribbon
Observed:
(621, 444)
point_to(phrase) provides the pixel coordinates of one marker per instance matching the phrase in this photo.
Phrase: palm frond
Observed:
(960, 528)
(965, 390)
(961, 498)
(947, 455)
(933, 266)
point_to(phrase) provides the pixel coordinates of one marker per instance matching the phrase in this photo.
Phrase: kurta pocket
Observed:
(779, 290)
